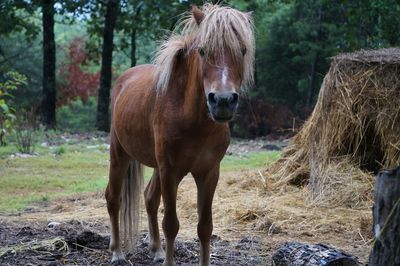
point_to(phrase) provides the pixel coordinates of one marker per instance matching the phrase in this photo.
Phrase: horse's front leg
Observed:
(206, 182)
(169, 184)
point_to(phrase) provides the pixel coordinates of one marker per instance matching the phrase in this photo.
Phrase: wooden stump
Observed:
(386, 215)
(295, 254)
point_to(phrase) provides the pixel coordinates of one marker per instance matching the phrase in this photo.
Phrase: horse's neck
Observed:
(195, 100)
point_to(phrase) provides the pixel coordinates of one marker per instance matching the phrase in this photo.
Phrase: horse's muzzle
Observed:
(222, 107)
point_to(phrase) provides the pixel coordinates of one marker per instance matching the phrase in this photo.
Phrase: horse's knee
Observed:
(170, 225)
(148, 199)
(151, 198)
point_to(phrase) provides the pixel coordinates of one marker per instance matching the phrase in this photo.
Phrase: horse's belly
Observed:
(139, 146)
(144, 156)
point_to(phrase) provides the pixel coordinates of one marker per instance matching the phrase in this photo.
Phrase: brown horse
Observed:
(172, 116)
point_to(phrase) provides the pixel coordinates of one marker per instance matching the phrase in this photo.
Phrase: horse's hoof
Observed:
(119, 262)
(171, 263)
(158, 256)
(118, 258)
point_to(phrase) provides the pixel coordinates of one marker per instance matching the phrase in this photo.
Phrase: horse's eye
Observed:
(201, 52)
(244, 50)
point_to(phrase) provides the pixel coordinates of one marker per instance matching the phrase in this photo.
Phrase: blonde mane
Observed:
(221, 28)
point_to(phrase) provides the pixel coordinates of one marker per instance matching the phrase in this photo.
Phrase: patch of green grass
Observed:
(250, 160)
(11, 148)
(77, 168)
(45, 177)
(5, 151)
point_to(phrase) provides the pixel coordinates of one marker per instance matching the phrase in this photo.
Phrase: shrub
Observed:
(7, 114)
(59, 151)
(26, 127)
(77, 116)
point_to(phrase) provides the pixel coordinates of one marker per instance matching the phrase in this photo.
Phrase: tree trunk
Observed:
(312, 81)
(48, 105)
(314, 63)
(256, 75)
(103, 101)
(136, 20)
(133, 47)
(294, 253)
(386, 214)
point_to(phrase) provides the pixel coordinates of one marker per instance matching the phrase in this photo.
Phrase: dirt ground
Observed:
(251, 221)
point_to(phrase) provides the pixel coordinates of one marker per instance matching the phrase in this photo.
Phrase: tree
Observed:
(48, 106)
(147, 18)
(297, 40)
(135, 17)
(18, 18)
(76, 82)
(102, 119)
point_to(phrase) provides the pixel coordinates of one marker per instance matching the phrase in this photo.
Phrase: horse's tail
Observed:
(130, 204)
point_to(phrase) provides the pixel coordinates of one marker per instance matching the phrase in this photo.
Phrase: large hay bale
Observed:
(353, 131)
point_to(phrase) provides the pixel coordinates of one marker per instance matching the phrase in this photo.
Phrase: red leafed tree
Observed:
(76, 82)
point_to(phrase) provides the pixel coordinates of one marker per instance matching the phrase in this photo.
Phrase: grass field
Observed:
(74, 168)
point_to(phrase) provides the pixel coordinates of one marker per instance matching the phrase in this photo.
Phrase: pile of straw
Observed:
(352, 133)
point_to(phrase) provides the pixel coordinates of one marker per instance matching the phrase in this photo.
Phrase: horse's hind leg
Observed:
(152, 196)
(119, 162)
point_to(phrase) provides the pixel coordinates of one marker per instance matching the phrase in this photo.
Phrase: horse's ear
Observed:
(198, 14)
(249, 16)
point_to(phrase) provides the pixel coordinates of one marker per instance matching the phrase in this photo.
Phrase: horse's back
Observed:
(133, 100)
(134, 77)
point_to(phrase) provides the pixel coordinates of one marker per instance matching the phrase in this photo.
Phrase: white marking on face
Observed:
(224, 75)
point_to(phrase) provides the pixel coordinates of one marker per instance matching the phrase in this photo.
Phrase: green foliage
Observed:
(77, 116)
(149, 21)
(59, 151)
(12, 80)
(297, 38)
(45, 198)
(25, 57)
(294, 38)
(15, 17)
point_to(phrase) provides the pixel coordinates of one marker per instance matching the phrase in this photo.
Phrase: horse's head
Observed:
(225, 45)
(222, 78)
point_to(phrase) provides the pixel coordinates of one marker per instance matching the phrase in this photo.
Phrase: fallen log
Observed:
(386, 219)
(295, 254)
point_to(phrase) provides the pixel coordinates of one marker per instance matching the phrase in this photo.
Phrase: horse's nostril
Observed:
(211, 98)
(235, 98)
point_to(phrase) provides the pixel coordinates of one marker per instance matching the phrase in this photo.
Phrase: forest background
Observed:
(59, 59)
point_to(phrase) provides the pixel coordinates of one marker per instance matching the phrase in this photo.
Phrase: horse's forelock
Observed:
(227, 28)
(235, 34)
